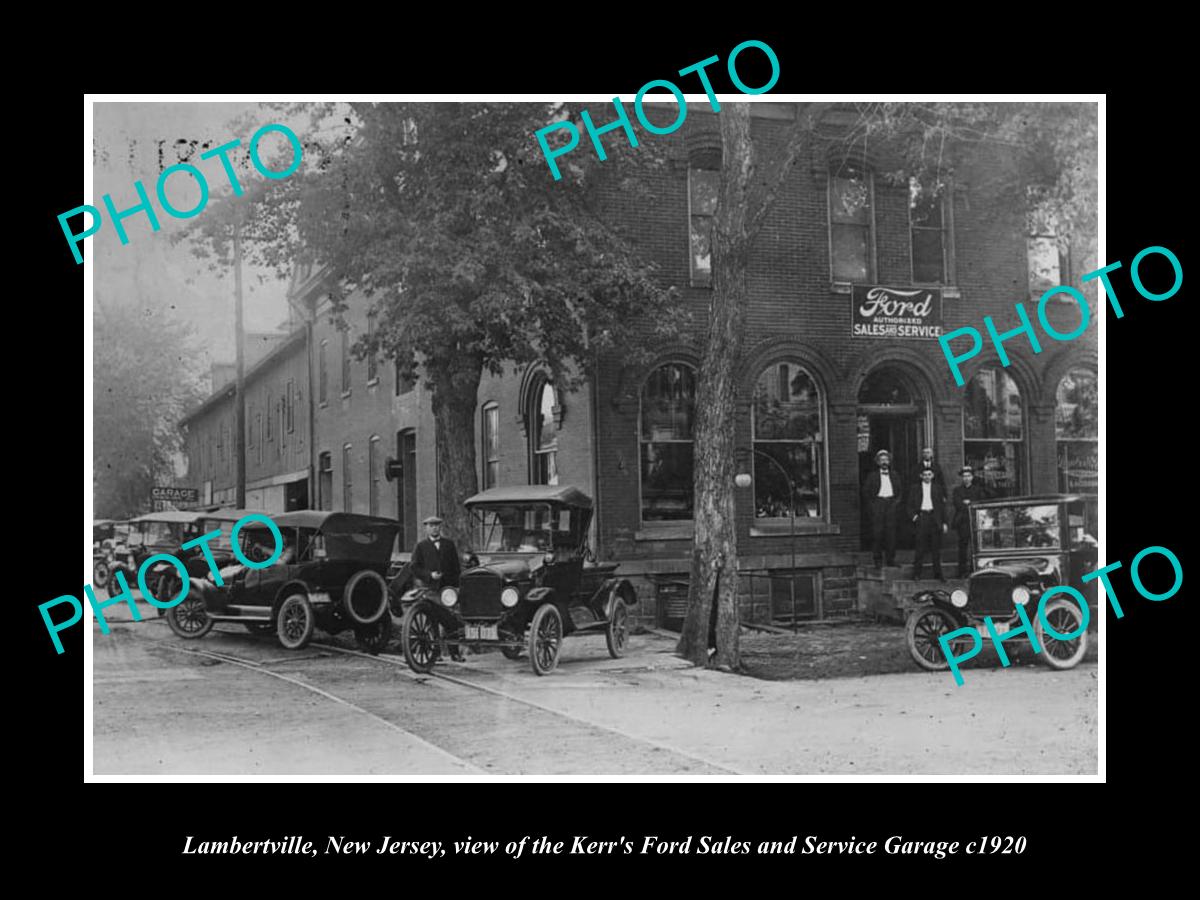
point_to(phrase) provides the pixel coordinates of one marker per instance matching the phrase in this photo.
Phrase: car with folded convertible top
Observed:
(533, 581)
(1020, 548)
(327, 574)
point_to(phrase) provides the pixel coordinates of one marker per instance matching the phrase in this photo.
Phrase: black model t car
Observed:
(329, 575)
(1020, 547)
(533, 571)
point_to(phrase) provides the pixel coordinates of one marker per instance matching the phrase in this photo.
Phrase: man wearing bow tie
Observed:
(882, 493)
(435, 563)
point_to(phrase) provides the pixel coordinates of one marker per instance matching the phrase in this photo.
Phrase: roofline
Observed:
(225, 390)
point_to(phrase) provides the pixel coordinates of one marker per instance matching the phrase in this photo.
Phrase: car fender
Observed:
(619, 587)
(288, 588)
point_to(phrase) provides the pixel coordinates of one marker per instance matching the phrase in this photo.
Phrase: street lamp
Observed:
(744, 480)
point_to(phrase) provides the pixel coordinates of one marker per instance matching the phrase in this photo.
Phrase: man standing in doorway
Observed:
(927, 506)
(970, 491)
(435, 563)
(882, 494)
(928, 464)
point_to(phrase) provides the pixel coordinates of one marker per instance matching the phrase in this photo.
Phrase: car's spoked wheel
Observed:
(618, 629)
(374, 638)
(545, 639)
(190, 619)
(294, 625)
(420, 638)
(924, 631)
(1065, 618)
(100, 574)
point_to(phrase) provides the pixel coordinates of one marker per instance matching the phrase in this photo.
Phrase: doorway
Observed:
(893, 415)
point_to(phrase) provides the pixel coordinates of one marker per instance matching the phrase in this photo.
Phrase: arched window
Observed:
(666, 422)
(542, 428)
(851, 224)
(1076, 427)
(993, 431)
(787, 444)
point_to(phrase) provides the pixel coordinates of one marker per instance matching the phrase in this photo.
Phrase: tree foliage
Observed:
(470, 256)
(143, 382)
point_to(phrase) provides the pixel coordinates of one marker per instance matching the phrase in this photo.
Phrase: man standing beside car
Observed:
(970, 491)
(435, 563)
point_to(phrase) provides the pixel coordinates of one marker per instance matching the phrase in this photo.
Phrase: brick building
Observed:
(853, 275)
(277, 428)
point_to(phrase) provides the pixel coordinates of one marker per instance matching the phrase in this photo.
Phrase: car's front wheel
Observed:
(295, 622)
(924, 631)
(100, 573)
(1064, 617)
(420, 637)
(617, 629)
(189, 619)
(545, 639)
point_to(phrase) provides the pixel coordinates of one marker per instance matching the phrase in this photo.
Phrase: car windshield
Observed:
(514, 529)
(1017, 527)
(157, 533)
(221, 541)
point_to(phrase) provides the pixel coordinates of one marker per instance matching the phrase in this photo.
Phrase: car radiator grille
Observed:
(479, 596)
(991, 595)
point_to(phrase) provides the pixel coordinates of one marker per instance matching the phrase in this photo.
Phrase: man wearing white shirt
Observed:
(927, 507)
(883, 491)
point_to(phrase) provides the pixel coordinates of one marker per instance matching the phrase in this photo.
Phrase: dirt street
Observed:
(246, 706)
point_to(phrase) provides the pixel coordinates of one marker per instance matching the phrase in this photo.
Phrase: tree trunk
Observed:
(714, 575)
(454, 400)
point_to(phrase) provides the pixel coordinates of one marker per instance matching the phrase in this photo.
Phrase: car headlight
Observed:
(449, 596)
(1020, 594)
(509, 596)
(959, 598)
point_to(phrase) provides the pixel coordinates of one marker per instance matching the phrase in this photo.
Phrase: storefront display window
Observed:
(666, 430)
(993, 432)
(1076, 426)
(787, 428)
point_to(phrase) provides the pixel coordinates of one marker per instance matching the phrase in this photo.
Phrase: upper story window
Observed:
(290, 411)
(346, 360)
(372, 365)
(1048, 264)
(851, 224)
(404, 380)
(927, 224)
(787, 444)
(543, 433)
(323, 369)
(704, 184)
(347, 478)
(666, 427)
(491, 445)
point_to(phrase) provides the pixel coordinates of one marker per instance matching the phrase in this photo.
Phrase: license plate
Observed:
(1001, 628)
(483, 633)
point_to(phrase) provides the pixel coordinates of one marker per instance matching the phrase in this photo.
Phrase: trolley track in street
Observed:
(571, 728)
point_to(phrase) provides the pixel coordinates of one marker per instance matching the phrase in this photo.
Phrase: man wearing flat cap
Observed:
(882, 493)
(970, 491)
(435, 563)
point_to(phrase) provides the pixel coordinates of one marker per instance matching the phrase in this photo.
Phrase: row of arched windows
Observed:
(788, 427)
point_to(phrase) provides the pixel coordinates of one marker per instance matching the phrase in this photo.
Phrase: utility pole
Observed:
(239, 441)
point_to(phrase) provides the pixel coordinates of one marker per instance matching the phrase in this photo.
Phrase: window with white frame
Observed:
(666, 428)
(851, 224)
(787, 435)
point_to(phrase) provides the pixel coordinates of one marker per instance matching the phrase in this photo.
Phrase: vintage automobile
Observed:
(534, 570)
(156, 532)
(1020, 547)
(328, 575)
(106, 533)
(163, 579)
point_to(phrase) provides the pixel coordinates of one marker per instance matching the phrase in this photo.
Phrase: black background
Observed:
(1148, 489)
